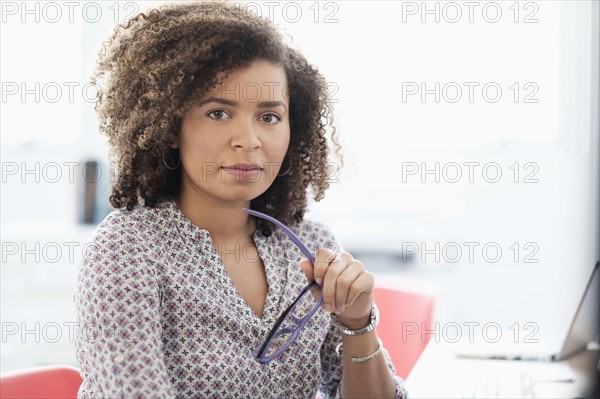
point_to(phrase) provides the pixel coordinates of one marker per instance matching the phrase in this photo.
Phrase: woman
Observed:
(207, 112)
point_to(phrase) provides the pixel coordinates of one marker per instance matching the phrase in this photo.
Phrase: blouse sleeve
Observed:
(119, 344)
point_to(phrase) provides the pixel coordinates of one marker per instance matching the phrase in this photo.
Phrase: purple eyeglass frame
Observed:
(276, 331)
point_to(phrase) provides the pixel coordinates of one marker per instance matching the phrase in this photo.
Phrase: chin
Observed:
(243, 193)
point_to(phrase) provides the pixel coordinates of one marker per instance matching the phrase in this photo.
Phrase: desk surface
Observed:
(440, 374)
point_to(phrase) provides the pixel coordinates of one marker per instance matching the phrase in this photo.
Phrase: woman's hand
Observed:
(347, 286)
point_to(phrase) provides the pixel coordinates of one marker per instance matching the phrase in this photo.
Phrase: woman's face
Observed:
(233, 142)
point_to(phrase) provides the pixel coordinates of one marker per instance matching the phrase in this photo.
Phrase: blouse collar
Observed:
(189, 229)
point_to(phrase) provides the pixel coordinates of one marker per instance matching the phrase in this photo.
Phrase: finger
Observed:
(322, 259)
(334, 270)
(344, 284)
(307, 268)
(363, 284)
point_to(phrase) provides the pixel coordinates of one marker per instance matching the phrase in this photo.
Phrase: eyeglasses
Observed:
(293, 320)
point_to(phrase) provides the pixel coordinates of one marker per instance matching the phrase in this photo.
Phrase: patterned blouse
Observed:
(160, 317)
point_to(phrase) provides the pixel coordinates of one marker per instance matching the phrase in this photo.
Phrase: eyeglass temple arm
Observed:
(289, 232)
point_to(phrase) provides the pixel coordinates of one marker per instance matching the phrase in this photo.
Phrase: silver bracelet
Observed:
(361, 359)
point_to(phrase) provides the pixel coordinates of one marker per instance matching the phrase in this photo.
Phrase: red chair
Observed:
(48, 382)
(404, 316)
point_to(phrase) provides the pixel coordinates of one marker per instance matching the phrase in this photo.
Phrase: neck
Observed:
(225, 221)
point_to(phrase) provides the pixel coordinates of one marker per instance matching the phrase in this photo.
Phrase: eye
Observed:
(271, 118)
(217, 114)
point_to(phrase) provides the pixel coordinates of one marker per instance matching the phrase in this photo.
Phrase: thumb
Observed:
(307, 268)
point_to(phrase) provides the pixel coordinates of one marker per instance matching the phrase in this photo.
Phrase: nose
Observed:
(245, 136)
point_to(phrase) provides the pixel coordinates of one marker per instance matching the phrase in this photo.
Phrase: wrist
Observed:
(357, 326)
(353, 323)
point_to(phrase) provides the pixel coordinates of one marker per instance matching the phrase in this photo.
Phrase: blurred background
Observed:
(470, 135)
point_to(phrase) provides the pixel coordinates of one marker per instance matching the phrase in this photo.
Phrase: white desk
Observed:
(440, 374)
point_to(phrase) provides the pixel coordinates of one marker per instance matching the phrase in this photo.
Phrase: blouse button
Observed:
(119, 358)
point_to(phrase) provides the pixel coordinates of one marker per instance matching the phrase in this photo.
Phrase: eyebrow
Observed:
(231, 103)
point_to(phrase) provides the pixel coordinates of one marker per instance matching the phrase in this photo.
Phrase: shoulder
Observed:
(121, 251)
(127, 230)
(315, 231)
(141, 219)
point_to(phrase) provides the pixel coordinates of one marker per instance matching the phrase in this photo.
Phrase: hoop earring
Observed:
(171, 167)
(286, 172)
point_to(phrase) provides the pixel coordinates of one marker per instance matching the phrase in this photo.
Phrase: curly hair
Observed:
(155, 67)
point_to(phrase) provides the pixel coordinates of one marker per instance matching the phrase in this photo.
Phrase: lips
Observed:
(243, 166)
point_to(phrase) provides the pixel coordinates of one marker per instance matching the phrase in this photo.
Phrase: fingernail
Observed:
(327, 307)
(319, 280)
(339, 310)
